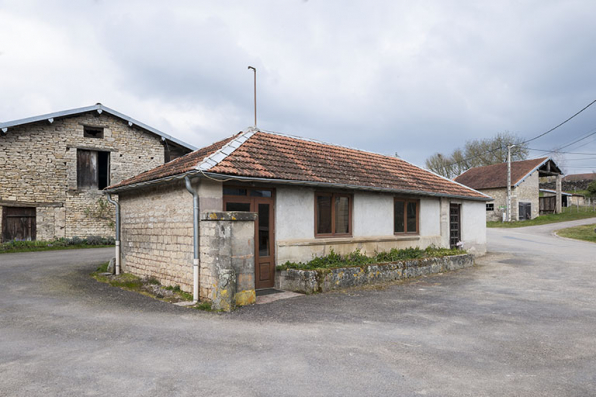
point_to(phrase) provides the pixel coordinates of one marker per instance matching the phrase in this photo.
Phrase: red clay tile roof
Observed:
(278, 157)
(495, 176)
(580, 177)
(177, 166)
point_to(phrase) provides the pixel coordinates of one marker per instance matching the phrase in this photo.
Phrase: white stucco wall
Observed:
(294, 213)
(372, 215)
(430, 217)
(372, 225)
(473, 226)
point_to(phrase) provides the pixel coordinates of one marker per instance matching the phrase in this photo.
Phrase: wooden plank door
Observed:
(18, 223)
(454, 225)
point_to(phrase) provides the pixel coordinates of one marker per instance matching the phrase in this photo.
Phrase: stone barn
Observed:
(53, 168)
(525, 180)
(218, 221)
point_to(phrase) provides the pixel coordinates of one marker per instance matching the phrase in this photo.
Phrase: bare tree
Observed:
(478, 153)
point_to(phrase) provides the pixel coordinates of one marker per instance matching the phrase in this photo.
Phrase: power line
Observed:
(524, 142)
(557, 126)
(550, 151)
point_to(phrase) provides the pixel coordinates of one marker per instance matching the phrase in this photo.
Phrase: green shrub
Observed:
(95, 240)
(358, 259)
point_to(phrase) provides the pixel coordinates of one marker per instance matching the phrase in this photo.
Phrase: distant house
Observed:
(525, 198)
(264, 199)
(54, 166)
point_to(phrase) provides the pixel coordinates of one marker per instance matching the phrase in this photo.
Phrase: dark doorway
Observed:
(260, 201)
(454, 225)
(18, 223)
(525, 211)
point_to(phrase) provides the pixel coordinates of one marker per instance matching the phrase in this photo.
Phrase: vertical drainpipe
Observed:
(117, 204)
(195, 235)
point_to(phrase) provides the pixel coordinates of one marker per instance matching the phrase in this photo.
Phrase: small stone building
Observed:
(525, 197)
(263, 199)
(54, 166)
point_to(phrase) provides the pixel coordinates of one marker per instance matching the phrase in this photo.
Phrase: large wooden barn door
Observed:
(454, 225)
(18, 223)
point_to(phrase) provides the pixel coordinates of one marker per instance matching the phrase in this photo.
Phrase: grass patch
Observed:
(148, 286)
(356, 258)
(57, 244)
(205, 306)
(568, 214)
(585, 233)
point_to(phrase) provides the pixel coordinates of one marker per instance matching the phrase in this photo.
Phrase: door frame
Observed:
(254, 201)
(458, 206)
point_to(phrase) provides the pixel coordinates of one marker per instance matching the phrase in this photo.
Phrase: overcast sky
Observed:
(406, 77)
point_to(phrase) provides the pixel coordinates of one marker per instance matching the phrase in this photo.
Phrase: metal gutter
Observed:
(99, 108)
(195, 237)
(222, 177)
(343, 186)
(117, 204)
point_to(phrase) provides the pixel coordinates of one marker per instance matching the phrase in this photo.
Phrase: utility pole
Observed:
(509, 182)
(255, 70)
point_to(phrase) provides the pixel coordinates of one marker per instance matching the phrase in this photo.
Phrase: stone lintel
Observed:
(10, 203)
(234, 216)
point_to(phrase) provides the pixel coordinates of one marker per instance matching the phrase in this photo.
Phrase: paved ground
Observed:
(522, 323)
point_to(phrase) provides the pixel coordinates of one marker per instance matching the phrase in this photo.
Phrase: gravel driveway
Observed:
(521, 323)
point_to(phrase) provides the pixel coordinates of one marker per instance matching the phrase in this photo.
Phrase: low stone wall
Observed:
(323, 280)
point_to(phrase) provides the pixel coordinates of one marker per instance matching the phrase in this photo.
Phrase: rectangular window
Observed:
(333, 214)
(93, 132)
(490, 207)
(405, 216)
(93, 169)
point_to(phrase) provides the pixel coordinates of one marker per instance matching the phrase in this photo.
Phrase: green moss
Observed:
(358, 259)
(205, 306)
(103, 267)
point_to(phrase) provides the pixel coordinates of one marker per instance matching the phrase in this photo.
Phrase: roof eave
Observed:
(4, 127)
(223, 177)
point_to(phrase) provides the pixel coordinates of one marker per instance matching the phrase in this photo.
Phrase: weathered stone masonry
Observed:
(38, 168)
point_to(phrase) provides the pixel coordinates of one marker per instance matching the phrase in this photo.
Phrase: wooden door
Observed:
(260, 201)
(18, 223)
(525, 211)
(454, 225)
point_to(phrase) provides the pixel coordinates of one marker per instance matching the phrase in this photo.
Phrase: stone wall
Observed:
(227, 274)
(38, 167)
(527, 192)
(324, 280)
(157, 234)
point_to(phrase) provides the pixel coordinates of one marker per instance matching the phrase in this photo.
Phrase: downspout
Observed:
(195, 237)
(117, 204)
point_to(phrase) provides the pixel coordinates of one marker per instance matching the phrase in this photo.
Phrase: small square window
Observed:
(490, 207)
(93, 132)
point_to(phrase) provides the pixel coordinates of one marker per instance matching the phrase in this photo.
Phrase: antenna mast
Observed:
(255, 70)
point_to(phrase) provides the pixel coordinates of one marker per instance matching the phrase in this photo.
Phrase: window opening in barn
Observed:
(490, 207)
(93, 169)
(93, 132)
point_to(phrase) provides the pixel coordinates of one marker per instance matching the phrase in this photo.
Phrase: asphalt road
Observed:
(521, 323)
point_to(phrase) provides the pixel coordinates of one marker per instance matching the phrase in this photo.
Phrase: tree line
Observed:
(478, 153)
